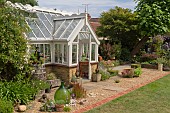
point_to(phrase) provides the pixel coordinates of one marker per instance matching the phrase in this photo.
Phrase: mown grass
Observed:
(152, 98)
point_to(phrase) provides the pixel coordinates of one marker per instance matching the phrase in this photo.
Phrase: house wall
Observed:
(65, 73)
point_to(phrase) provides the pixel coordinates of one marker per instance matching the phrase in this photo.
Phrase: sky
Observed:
(95, 7)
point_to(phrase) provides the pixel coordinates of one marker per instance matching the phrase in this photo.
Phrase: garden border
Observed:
(92, 106)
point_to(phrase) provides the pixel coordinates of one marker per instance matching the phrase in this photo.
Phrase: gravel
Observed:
(97, 91)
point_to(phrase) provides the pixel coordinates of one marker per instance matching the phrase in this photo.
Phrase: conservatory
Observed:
(66, 41)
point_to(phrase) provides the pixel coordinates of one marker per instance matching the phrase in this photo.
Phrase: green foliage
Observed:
(67, 109)
(161, 60)
(148, 57)
(141, 100)
(157, 44)
(74, 78)
(48, 106)
(13, 44)
(6, 107)
(51, 76)
(137, 72)
(31, 2)
(135, 66)
(154, 16)
(108, 51)
(125, 54)
(20, 91)
(113, 72)
(104, 75)
(119, 25)
(116, 62)
(79, 91)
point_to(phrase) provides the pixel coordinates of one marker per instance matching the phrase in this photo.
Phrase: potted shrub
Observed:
(96, 77)
(160, 62)
(59, 105)
(52, 79)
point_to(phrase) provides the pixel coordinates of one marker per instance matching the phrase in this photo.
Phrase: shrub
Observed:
(104, 75)
(116, 63)
(6, 107)
(48, 106)
(20, 91)
(108, 51)
(67, 109)
(13, 49)
(137, 72)
(148, 57)
(79, 91)
(125, 55)
(51, 76)
(161, 60)
(113, 72)
(135, 66)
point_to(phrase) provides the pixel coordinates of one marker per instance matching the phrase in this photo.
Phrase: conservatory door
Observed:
(84, 59)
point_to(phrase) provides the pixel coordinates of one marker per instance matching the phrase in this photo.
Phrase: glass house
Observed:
(66, 41)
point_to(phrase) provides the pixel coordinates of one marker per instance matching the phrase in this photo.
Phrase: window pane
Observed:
(65, 52)
(86, 48)
(47, 53)
(44, 51)
(74, 54)
(58, 53)
(93, 52)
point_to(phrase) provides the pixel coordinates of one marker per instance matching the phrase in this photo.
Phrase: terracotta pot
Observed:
(59, 107)
(100, 58)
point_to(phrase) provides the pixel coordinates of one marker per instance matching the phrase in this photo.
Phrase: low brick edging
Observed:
(92, 106)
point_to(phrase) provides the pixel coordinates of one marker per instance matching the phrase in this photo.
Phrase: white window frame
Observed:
(62, 53)
(44, 53)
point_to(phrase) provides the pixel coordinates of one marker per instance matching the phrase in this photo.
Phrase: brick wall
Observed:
(65, 73)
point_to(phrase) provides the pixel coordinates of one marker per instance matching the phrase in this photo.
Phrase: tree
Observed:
(13, 44)
(31, 2)
(154, 18)
(120, 26)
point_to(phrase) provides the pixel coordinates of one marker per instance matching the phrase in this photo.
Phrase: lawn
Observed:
(152, 98)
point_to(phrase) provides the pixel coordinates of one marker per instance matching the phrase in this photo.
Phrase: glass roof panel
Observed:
(85, 28)
(33, 25)
(49, 17)
(71, 28)
(82, 36)
(30, 34)
(62, 28)
(41, 15)
(48, 25)
(58, 24)
(44, 29)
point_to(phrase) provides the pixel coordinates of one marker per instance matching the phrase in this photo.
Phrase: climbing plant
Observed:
(13, 44)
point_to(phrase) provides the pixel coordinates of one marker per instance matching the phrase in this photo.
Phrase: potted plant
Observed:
(160, 61)
(96, 77)
(59, 105)
(52, 79)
